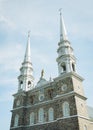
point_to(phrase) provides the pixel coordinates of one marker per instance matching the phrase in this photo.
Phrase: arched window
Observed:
(66, 109)
(21, 84)
(16, 120)
(85, 127)
(51, 114)
(73, 67)
(29, 84)
(32, 119)
(41, 115)
(63, 67)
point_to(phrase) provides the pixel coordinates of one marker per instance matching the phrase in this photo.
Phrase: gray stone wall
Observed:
(55, 94)
(61, 124)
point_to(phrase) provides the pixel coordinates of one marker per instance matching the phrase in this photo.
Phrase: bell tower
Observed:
(26, 79)
(70, 80)
(66, 59)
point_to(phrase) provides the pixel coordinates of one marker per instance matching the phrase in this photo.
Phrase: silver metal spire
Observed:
(63, 33)
(28, 52)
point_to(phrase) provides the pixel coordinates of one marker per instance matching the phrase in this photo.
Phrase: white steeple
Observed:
(66, 60)
(26, 80)
(63, 32)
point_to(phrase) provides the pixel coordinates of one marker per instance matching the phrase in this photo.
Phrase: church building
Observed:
(58, 104)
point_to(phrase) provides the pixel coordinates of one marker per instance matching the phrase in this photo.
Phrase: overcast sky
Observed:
(17, 17)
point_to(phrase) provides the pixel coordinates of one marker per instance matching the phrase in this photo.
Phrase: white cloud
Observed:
(39, 56)
(43, 33)
(7, 22)
(10, 55)
(10, 81)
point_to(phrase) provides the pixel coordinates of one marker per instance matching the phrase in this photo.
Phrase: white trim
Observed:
(67, 117)
(16, 127)
(69, 74)
(18, 108)
(84, 117)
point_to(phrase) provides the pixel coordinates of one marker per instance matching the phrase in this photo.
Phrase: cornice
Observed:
(69, 74)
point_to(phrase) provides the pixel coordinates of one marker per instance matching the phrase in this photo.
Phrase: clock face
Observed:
(64, 87)
(18, 103)
(41, 97)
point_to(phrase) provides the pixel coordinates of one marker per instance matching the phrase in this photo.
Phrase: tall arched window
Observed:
(41, 115)
(21, 84)
(32, 119)
(85, 127)
(66, 109)
(16, 120)
(63, 67)
(51, 114)
(73, 67)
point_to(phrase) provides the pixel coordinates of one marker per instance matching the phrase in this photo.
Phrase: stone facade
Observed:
(54, 97)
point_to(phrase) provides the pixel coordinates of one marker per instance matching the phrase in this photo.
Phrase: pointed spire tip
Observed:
(60, 10)
(27, 53)
(63, 33)
(29, 33)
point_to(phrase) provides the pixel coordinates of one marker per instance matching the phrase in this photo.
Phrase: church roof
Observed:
(41, 82)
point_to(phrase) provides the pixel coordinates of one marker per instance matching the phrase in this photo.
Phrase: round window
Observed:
(41, 97)
(64, 87)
